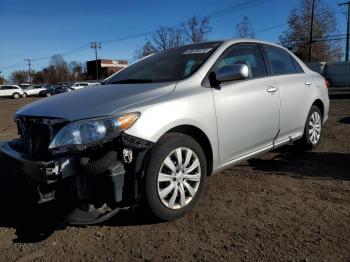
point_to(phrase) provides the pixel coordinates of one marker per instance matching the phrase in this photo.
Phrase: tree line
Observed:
(296, 38)
(58, 71)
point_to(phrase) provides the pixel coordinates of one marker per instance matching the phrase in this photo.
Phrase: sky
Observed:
(38, 29)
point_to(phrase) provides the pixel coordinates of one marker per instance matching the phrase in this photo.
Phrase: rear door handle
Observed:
(308, 83)
(272, 89)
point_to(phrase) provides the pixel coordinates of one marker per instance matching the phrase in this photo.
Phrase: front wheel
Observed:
(312, 130)
(16, 96)
(175, 176)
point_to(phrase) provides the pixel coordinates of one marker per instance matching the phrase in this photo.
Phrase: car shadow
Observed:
(34, 223)
(339, 95)
(345, 120)
(290, 160)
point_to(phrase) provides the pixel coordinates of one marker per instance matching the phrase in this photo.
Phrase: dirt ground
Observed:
(284, 205)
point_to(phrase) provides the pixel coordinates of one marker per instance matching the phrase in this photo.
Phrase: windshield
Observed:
(166, 66)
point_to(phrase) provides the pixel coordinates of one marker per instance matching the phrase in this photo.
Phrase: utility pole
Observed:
(28, 60)
(96, 45)
(347, 31)
(311, 30)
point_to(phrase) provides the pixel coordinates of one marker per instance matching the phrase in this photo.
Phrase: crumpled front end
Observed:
(96, 181)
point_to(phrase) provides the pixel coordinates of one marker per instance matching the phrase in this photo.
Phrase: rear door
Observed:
(248, 110)
(293, 86)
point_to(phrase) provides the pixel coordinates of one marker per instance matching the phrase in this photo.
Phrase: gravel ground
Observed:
(283, 205)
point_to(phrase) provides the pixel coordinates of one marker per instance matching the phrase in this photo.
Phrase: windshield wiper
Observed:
(131, 81)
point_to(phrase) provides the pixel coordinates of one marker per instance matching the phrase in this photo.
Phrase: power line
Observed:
(267, 29)
(11, 66)
(212, 15)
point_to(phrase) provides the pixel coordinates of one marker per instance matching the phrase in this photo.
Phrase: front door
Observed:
(248, 110)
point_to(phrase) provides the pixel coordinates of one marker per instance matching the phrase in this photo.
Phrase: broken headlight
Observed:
(92, 131)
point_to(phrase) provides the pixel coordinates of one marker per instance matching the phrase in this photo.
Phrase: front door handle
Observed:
(308, 83)
(272, 89)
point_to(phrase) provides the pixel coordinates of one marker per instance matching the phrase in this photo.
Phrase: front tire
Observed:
(16, 96)
(312, 130)
(175, 177)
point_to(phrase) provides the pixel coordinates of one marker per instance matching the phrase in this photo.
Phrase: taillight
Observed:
(327, 83)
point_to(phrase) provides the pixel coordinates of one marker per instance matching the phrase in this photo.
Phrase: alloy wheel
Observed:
(315, 128)
(179, 178)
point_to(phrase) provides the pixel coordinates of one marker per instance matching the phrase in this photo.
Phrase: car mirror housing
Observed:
(232, 73)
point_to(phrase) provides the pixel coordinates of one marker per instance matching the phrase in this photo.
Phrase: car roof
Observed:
(9, 85)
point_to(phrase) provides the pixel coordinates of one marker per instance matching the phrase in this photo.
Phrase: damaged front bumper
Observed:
(109, 179)
(38, 170)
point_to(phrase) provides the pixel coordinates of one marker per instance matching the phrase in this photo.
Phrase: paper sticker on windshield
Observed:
(197, 51)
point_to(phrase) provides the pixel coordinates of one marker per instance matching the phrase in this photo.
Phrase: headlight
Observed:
(91, 131)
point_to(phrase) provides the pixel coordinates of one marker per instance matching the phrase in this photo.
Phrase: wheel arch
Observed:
(201, 138)
(318, 102)
(16, 93)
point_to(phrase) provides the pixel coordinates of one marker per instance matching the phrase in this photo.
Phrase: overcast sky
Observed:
(41, 28)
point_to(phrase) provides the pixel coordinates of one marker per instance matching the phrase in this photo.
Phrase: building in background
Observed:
(105, 67)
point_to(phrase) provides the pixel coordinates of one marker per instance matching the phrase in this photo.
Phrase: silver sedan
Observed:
(162, 125)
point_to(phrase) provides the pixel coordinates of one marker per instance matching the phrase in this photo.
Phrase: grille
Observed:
(37, 134)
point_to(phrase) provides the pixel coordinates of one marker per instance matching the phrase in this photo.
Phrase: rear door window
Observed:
(280, 61)
(298, 67)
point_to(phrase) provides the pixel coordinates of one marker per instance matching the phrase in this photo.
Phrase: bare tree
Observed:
(162, 39)
(167, 37)
(326, 44)
(196, 29)
(19, 76)
(245, 29)
(60, 68)
(37, 77)
(146, 50)
(76, 69)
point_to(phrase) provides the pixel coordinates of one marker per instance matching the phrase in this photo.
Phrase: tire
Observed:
(188, 186)
(47, 94)
(24, 95)
(312, 130)
(16, 95)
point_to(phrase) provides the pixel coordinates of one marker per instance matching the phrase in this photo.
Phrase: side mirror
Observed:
(232, 73)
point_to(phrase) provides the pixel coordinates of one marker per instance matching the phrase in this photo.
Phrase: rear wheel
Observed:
(175, 176)
(24, 95)
(312, 129)
(48, 94)
(16, 95)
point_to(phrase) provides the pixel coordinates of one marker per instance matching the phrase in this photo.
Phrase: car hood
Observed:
(95, 101)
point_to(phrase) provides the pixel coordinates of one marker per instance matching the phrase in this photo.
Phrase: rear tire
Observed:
(48, 94)
(24, 95)
(312, 130)
(175, 178)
